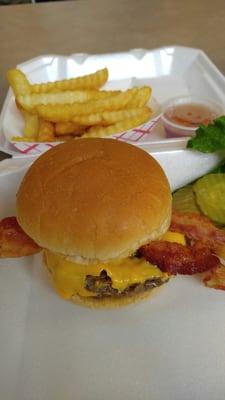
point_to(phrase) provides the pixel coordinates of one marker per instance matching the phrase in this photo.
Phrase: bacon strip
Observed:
(215, 278)
(199, 256)
(14, 242)
(175, 258)
(197, 227)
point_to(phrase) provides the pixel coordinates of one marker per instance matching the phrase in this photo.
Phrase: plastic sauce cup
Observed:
(183, 115)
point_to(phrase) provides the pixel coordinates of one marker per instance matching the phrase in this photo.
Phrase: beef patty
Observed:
(102, 286)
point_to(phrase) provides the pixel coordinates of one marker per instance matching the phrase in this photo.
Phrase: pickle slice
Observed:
(184, 200)
(210, 196)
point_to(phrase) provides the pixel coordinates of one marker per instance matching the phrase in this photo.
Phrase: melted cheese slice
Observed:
(69, 277)
(174, 237)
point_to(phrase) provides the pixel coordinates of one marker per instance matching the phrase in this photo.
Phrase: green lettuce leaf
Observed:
(209, 138)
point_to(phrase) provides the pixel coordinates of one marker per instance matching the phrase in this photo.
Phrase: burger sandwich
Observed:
(91, 204)
(100, 210)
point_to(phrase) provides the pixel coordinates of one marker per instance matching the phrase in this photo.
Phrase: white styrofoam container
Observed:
(170, 71)
(180, 165)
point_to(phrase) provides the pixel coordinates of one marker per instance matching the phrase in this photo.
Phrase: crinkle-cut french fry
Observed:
(46, 131)
(91, 81)
(64, 138)
(31, 125)
(18, 105)
(142, 96)
(76, 107)
(23, 139)
(109, 117)
(118, 127)
(30, 101)
(67, 128)
(66, 112)
(18, 81)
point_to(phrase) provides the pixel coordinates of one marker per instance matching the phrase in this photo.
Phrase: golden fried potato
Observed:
(118, 127)
(46, 131)
(62, 110)
(30, 101)
(31, 125)
(91, 81)
(23, 139)
(141, 97)
(18, 82)
(64, 138)
(67, 112)
(68, 128)
(65, 128)
(109, 117)
(19, 106)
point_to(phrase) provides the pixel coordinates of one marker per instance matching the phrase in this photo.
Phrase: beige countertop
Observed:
(99, 26)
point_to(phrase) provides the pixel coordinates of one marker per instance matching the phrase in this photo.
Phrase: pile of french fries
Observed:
(77, 107)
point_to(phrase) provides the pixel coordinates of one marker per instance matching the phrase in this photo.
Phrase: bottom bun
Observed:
(113, 302)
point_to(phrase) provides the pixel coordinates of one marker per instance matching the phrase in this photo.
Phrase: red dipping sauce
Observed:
(183, 115)
(192, 114)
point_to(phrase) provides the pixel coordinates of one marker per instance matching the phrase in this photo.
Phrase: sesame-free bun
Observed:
(94, 199)
(113, 301)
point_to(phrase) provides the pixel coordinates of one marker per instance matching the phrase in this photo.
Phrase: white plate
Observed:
(170, 71)
(170, 347)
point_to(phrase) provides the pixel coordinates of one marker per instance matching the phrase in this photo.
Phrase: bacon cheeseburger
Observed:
(91, 204)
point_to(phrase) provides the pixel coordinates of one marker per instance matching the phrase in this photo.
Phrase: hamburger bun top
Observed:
(94, 199)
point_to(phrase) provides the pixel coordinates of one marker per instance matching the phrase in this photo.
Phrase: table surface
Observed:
(99, 26)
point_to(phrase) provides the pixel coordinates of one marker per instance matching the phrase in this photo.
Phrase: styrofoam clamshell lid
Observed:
(170, 71)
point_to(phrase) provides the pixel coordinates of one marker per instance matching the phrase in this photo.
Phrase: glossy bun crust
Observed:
(94, 199)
